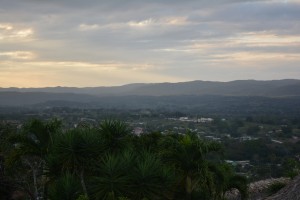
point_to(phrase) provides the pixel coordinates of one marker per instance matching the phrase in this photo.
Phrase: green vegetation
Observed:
(45, 160)
(275, 187)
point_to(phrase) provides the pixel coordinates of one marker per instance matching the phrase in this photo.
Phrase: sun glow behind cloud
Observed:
(167, 21)
(147, 23)
(6, 27)
(9, 32)
(19, 55)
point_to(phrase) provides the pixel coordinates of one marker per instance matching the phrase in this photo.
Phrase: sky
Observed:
(115, 42)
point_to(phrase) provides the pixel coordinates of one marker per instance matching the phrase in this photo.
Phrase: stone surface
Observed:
(289, 192)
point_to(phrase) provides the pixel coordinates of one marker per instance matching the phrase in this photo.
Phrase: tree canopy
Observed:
(107, 161)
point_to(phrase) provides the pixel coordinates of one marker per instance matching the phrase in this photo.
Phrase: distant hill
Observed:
(192, 104)
(235, 97)
(99, 91)
(233, 88)
(275, 88)
(31, 98)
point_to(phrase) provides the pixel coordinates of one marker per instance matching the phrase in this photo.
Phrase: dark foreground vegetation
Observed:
(43, 160)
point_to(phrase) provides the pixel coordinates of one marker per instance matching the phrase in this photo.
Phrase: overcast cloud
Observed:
(115, 42)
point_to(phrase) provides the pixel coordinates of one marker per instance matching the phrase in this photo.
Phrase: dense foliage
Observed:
(43, 160)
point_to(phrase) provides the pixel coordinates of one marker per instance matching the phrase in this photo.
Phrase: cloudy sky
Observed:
(114, 42)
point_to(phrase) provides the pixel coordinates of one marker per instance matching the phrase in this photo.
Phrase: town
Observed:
(257, 146)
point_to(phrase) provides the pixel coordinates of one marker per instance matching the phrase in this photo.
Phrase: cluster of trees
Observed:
(43, 160)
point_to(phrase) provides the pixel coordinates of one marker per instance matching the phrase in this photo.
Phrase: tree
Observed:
(6, 185)
(187, 154)
(75, 151)
(151, 178)
(111, 177)
(113, 133)
(133, 175)
(67, 187)
(225, 180)
(31, 146)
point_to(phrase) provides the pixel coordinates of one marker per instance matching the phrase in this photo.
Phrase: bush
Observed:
(82, 197)
(275, 187)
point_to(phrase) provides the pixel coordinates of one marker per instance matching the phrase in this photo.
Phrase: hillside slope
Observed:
(288, 87)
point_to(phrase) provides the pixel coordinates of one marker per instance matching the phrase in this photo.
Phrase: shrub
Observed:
(275, 187)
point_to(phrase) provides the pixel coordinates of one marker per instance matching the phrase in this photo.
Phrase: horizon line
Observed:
(59, 86)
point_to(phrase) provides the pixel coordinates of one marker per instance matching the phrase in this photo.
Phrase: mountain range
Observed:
(146, 92)
(287, 87)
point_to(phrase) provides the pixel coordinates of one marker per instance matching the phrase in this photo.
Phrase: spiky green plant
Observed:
(75, 151)
(112, 179)
(188, 154)
(67, 187)
(114, 133)
(151, 178)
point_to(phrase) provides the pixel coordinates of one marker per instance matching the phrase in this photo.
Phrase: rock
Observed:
(290, 192)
